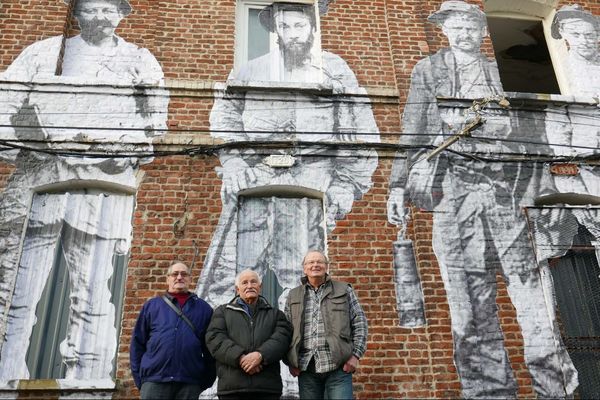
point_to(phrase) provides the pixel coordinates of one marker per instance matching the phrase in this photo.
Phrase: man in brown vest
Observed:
(330, 332)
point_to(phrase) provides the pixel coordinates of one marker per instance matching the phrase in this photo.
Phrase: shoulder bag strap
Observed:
(181, 315)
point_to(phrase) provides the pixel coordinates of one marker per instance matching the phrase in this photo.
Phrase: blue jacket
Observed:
(165, 349)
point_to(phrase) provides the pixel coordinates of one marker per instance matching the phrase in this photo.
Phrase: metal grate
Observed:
(577, 284)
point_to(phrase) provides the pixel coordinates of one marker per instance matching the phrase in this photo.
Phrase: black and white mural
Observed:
(73, 208)
(277, 204)
(314, 186)
(479, 227)
(578, 30)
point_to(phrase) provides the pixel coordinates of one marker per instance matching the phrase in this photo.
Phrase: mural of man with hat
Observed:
(580, 30)
(478, 228)
(575, 131)
(70, 226)
(250, 114)
(247, 235)
(96, 53)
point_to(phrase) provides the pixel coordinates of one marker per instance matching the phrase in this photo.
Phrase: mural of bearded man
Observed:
(275, 97)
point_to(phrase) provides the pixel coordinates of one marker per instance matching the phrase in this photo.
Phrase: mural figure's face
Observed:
(248, 287)
(98, 19)
(464, 32)
(294, 35)
(315, 267)
(178, 278)
(581, 37)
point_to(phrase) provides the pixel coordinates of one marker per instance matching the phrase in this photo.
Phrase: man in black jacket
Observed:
(248, 338)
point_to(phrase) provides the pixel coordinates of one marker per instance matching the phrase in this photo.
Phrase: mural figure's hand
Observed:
(339, 203)
(395, 207)
(138, 79)
(346, 135)
(351, 365)
(294, 371)
(237, 175)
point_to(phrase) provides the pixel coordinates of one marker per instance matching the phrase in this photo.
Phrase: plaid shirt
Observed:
(314, 343)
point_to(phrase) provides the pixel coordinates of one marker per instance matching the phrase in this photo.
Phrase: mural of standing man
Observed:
(573, 130)
(77, 221)
(477, 226)
(273, 233)
(580, 31)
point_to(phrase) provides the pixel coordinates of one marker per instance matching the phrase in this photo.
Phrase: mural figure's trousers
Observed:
(474, 236)
(90, 344)
(268, 233)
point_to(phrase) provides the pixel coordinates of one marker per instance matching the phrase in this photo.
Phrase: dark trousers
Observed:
(250, 396)
(170, 390)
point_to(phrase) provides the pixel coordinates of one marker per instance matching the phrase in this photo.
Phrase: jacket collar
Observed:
(261, 303)
(171, 297)
(304, 280)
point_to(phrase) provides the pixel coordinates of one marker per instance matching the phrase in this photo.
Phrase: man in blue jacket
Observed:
(168, 352)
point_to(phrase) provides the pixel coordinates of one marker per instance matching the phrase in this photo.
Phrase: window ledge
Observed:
(307, 87)
(58, 384)
(518, 99)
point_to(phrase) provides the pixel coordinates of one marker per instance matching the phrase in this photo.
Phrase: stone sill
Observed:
(57, 384)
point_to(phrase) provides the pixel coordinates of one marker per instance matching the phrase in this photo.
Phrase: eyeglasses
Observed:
(175, 274)
(315, 263)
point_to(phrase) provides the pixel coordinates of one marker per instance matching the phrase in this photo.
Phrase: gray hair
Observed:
(315, 251)
(174, 263)
(237, 277)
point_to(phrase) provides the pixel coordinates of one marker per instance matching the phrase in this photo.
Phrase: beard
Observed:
(295, 54)
(96, 29)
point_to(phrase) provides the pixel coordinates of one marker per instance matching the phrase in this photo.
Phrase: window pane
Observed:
(258, 36)
(66, 307)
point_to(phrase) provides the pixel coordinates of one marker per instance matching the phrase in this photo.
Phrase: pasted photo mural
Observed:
(286, 109)
(567, 240)
(294, 92)
(65, 215)
(479, 227)
(578, 29)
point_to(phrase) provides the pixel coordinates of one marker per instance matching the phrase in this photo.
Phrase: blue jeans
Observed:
(333, 385)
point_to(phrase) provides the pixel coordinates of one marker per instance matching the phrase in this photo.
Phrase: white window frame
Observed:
(242, 12)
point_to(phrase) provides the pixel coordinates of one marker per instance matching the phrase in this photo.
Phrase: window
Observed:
(252, 39)
(524, 48)
(566, 241)
(286, 63)
(64, 316)
(273, 235)
(522, 55)
(577, 286)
